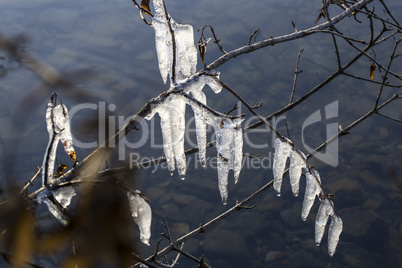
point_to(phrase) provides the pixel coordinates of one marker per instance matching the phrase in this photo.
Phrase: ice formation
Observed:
(312, 189)
(56, 208)
(142, 215)
(58, 127)
(195, 89)
(282, 152)
(185, 60)
(298, 162)
(335, 230)
(179, 38)
(325, 211)
(172, 114)
(321, 219)
(229, 143)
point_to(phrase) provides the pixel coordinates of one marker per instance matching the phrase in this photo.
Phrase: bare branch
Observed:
(29, 183)
(297, 72)
(384, 77)
(286, 38)
(254, 34)
(390, 118)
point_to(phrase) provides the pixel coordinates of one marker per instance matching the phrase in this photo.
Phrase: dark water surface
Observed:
(108, 55)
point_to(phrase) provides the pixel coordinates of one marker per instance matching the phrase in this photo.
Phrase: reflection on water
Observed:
(107, 54)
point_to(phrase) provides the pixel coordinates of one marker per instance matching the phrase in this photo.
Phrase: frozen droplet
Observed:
(142, 215)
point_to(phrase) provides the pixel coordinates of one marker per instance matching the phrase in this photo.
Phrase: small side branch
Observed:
(216, 40)
(297, 72)
(31, 180)
(253, 35)
(389, 117)
(385, 76)
(143, 11)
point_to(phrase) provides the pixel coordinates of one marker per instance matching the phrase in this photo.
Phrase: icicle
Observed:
(224, 140)
(323, 213)
(196, 91)
(237, 152)
(229, 146)
(297, 162)
(335, 229)
(142, 215)
(282, 152)
(223, 172)
(172, 113)
(163, 45)
(229, 143)
(312, 189)
(186, 53)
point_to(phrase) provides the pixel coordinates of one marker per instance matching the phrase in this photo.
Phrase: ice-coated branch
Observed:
(58, 127)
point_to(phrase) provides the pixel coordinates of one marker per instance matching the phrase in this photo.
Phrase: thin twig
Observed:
(216, 40)
(297, 72)
(389, 12)
(346, 130)
(316, 88)
(385, 78)
(370, 81)
(390, 118)
(254, 34)
(338, 57)
(289, 37)
(31, 180)
(139, 259)
(212, 222)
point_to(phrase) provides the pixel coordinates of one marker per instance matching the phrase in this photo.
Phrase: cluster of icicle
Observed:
(58, 127)
(284, 150)
(229, 136)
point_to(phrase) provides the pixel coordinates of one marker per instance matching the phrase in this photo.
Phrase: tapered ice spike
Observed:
(321, 220)
(172, 113)
(238, 153)
(186, 53)
(297, 163)
(223, 172)
(312, 189)
(282, 152)
(201, 132)
(199, 114)
(335, 230)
